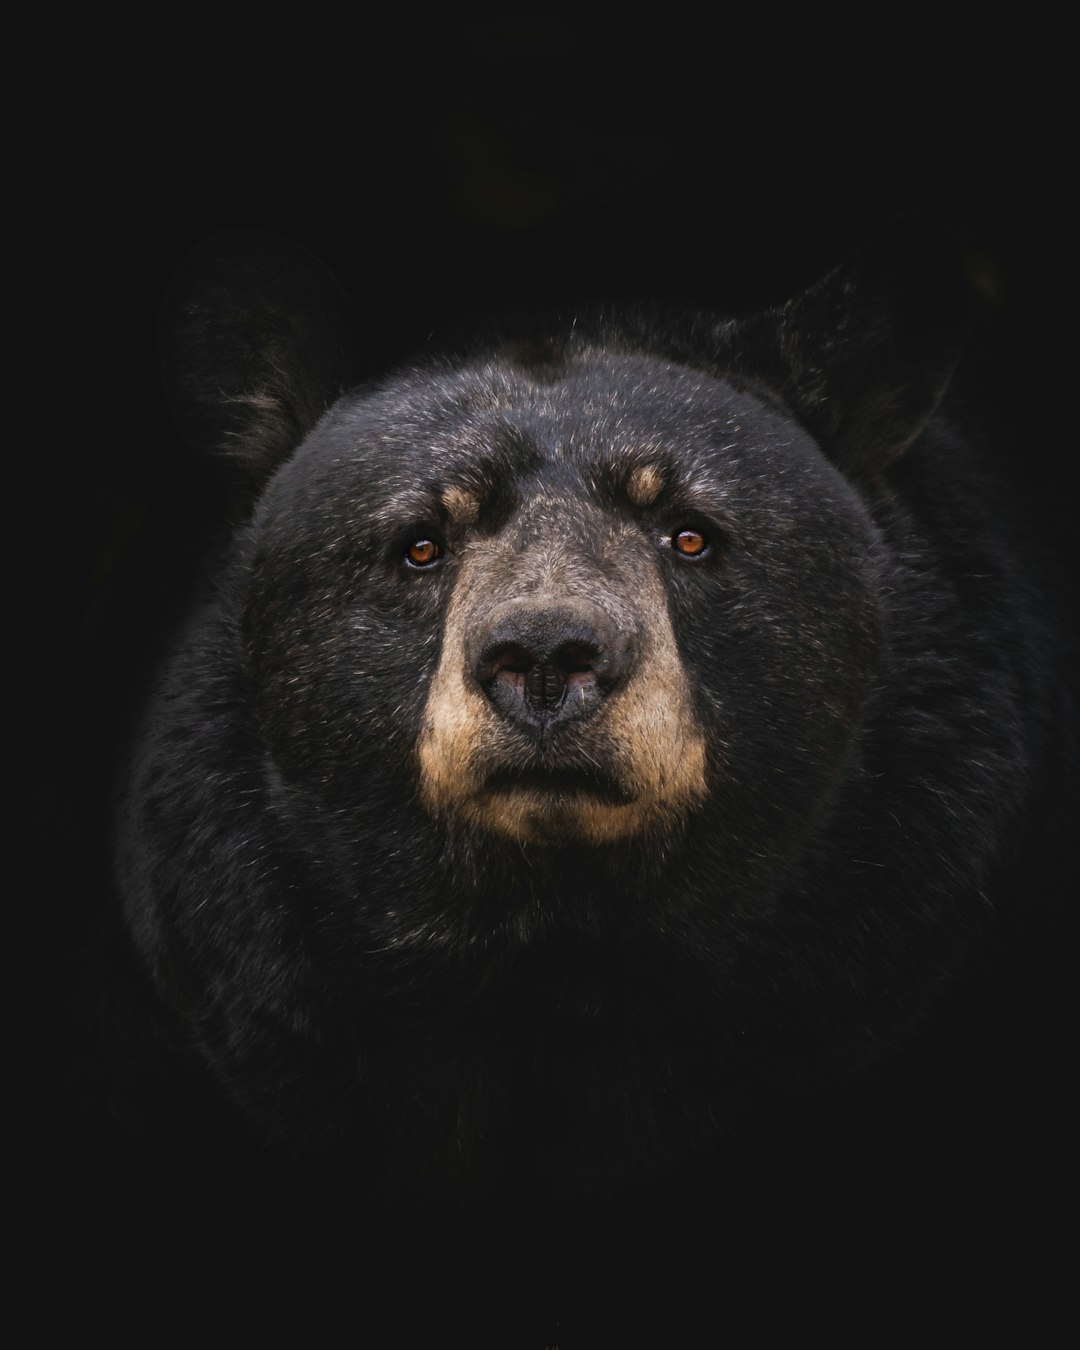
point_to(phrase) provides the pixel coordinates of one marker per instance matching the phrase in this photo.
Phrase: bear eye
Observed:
(423, 552)
(690, 543)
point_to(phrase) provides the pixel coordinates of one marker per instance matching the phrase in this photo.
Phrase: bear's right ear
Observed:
(256, 343)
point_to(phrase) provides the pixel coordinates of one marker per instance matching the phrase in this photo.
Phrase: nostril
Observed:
(510, 664)
(576, 658)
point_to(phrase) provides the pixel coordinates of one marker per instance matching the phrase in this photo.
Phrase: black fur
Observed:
(798, 979)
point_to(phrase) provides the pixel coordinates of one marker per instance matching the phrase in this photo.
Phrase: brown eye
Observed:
(423, 552)
(690, 543)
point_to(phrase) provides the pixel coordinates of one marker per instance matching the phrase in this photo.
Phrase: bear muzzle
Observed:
(555, 716)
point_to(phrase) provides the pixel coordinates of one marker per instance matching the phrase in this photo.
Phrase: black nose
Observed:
(545, 668)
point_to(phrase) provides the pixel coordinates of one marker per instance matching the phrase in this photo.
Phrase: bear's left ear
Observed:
(864, 356)
(256, 342)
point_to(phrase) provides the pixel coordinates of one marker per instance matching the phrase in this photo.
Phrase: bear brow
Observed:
(641, 476)
(417, 504)
(644, 483)
(462, 505)
(461, 499)
(491, 465)
(475, 471)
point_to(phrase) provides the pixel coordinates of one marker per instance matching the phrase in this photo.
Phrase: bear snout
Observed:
(542, 668)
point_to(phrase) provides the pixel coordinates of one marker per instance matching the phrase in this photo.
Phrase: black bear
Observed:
(598, 753)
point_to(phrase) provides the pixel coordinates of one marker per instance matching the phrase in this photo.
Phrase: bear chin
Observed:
(557, 813)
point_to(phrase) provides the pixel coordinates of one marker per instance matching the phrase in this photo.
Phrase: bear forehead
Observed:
(597, 400)
(606, 422)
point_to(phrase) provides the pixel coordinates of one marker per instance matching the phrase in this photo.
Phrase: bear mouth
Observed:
(561, 782)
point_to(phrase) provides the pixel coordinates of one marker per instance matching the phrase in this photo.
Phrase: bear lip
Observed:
(591, 782)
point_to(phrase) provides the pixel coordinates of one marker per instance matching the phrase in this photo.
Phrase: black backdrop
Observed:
(444, 169)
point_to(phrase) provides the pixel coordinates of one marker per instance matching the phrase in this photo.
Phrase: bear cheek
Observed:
(334, 687)
(285, 673)
(793, 729)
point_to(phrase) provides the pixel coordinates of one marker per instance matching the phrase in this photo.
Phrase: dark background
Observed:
(444, 169)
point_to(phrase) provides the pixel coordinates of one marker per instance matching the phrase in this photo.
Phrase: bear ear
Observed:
(864, 356)
(256, 342)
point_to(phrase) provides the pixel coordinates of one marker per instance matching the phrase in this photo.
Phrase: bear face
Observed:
(585, 740)
(508, 574)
